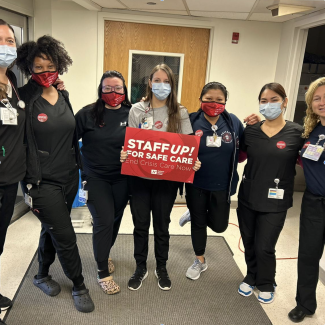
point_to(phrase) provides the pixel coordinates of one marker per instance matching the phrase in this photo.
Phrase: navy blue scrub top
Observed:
(315, 170)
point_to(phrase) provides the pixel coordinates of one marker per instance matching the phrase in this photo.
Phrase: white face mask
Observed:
(8, 55)
(161, 90)
(271, 110)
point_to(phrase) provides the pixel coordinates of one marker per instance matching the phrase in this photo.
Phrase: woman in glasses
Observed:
(101, 126)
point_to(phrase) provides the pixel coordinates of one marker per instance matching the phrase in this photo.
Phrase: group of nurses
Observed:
(51, 182)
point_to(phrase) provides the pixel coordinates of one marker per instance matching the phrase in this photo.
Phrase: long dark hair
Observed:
(174, 116)
(98, 108)
(4, 87)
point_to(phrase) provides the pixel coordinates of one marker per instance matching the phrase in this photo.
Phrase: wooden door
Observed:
(120, 37)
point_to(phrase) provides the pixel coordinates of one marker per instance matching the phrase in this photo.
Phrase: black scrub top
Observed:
(12, 147)
(269, 158)
(54, 127)
(101, 145)
(315, 170)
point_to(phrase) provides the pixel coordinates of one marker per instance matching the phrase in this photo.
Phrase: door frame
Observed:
(150, 18)
(295, 56)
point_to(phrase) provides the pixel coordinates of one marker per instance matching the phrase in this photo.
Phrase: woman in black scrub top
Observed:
(51, 181)
(102, 128)
(266, 190)
(12, 126)
(312, 218)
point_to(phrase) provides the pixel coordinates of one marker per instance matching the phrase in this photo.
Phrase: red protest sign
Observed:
(160, 155)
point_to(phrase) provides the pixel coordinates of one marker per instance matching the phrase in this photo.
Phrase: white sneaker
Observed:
(265, 297)
(245, 289)
(185, 218)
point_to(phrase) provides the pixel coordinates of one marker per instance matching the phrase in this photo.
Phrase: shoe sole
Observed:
(198, 275)
(265, 302)
(145, 276)
(165, 289)
(242, 293)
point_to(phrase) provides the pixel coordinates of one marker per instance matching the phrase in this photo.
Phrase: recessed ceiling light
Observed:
(151, 3)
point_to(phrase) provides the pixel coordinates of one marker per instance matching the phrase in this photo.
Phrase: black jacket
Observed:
(236, 131)
(29, 94)
(12, 144)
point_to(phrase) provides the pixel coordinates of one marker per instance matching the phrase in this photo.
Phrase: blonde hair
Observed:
(174, 116)
(311, 119)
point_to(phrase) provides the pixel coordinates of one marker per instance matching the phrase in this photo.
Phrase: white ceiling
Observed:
(228, 9)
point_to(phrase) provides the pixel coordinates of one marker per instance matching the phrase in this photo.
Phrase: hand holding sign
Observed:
(160, 155)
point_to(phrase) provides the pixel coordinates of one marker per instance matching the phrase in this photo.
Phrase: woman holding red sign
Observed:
(101, 126)
(160, 112)
(266, 190)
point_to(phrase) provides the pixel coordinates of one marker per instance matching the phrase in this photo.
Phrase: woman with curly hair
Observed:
(102, 126)
(53, 160)
(312, 218)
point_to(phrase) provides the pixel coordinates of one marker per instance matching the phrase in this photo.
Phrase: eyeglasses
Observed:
(108, 89)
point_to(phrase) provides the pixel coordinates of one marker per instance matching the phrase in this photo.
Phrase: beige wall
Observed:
(21, 6)
(243, 68)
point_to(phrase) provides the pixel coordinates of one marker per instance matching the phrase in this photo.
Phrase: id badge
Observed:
(147, 123)
(8, 116)
(276, 193)
(212, 141)
(29, 200)
(313, 152)
(83, 196)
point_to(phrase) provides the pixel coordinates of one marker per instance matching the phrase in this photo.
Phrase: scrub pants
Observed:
(8, 195)
(52, 206)
(107, 200)
(260, 232)
(208, 209)
(157, 196)
(311, 246)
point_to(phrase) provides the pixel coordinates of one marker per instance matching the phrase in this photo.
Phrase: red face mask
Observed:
(212, 108)
(113, 99)
(45, 79)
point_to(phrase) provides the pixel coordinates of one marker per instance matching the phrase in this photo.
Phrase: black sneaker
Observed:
(164, 282)
(2, 322)
(136, 279)
(5, 303)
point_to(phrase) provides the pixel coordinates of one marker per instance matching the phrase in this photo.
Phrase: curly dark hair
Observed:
(98, 108)
(46, 47)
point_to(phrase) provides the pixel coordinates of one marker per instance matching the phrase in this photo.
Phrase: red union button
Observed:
(42, 117)
(199, 133)
(158, 125)
(281, 144)
(306, 145)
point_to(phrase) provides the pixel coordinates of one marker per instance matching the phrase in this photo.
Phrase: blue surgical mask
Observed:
(8, 54)
(161, 90)
(271, 110)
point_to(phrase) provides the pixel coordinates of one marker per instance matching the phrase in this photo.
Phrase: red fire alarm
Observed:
(235, 38)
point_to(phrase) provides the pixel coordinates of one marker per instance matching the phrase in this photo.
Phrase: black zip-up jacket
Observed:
(29, 94)
(233, 124)
(12, 144)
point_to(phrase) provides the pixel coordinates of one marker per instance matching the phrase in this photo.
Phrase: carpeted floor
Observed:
(213, 299)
